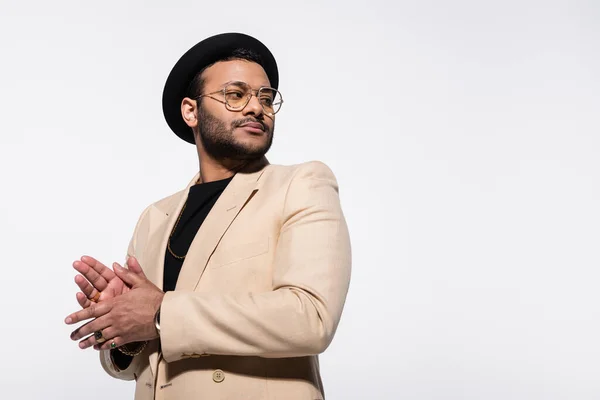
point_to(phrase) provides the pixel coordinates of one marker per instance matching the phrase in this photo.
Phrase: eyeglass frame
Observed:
(253, 92)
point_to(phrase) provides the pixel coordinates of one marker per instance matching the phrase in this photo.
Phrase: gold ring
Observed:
(99, 338)
(96, 297)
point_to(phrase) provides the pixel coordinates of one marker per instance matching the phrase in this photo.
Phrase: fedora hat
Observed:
(203, 54)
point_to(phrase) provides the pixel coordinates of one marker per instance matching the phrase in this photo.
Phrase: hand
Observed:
(97, 278)
(122, 319)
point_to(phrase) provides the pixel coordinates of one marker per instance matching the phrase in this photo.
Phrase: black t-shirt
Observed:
(201, 198)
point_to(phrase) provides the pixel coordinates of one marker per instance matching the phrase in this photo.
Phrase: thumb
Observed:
(134, 266)
(130, 278)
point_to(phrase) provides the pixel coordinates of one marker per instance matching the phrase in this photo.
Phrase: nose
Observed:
(253, 107)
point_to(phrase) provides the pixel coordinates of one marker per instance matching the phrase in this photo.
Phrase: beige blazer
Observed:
(260, 293)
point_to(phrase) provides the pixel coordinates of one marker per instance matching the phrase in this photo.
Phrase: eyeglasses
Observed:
(237, 95)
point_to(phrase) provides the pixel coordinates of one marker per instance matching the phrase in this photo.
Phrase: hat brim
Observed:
(203, 54)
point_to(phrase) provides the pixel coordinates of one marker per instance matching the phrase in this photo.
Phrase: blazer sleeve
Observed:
(106, 358)
(300, 315)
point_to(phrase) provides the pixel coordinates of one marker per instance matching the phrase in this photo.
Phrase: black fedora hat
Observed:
(203, 54)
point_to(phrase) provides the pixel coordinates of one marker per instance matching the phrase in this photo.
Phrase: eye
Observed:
(267, 101)
(234, 94)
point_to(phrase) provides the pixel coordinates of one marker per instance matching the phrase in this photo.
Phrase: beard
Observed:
(219, 143)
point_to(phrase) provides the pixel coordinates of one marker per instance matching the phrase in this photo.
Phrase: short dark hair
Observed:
(197, 84)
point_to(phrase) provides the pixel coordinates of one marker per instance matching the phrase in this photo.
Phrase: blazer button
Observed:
(218, 376)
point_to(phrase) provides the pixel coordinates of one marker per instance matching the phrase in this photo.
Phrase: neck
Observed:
(211, 170)
(215, 170)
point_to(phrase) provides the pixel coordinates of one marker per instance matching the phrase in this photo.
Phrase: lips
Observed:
(253, 125)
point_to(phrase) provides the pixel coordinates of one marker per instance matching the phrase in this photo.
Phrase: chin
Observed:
(255, 152)
(254, 143)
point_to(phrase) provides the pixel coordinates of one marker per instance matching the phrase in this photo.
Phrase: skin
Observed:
(120, 317)
(224, 145)
(97, 278)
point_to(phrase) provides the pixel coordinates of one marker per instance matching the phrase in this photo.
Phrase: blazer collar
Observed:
(236, 195)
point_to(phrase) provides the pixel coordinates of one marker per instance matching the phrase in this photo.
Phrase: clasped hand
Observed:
(125, 308)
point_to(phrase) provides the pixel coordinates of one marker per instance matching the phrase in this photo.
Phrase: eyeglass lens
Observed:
(237, 95)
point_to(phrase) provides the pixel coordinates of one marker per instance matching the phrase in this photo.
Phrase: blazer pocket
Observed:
(231, 254)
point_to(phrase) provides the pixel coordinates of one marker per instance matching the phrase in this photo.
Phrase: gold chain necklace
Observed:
(171, 235)
(174, 228)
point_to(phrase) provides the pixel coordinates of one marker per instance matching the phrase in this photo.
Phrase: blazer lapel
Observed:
(154, 260)
(240, 190)
(157, 245)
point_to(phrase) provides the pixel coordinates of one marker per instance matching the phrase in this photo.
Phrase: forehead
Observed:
(235, 70)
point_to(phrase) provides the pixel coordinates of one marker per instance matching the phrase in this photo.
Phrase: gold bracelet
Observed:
(135, 351)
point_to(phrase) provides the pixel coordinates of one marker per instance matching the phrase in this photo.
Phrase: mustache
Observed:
(239, 122)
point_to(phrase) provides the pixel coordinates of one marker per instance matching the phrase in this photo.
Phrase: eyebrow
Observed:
(230, 82)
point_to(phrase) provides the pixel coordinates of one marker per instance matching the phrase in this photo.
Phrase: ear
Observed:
(189, 112)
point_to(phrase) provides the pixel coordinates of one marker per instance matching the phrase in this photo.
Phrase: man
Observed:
(235, 284)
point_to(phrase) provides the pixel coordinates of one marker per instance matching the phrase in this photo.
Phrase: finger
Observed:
(91, 275)
(88, 290)
(100, 268)
(95, 310)
(90, 327)
(83, 301)
(127, 276)
(108, 334)
(108, 345)
(135, 267)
